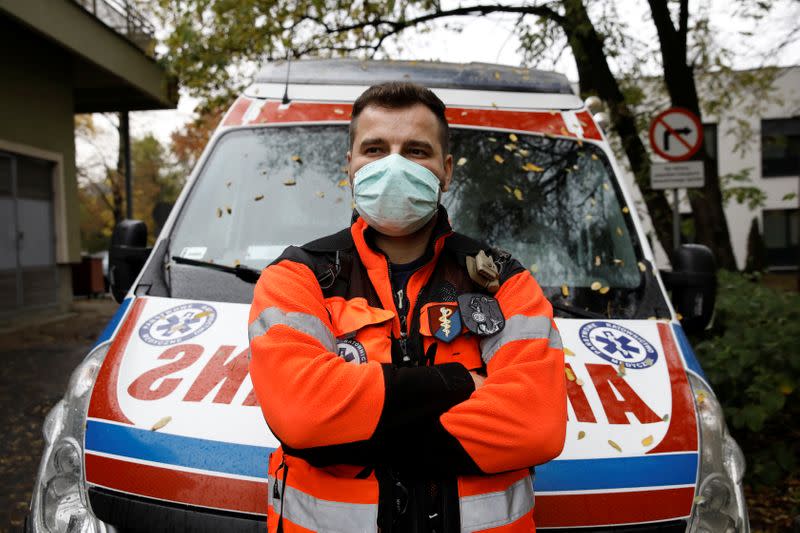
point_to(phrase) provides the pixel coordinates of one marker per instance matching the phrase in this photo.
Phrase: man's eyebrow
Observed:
(372, 140)
(415, 143)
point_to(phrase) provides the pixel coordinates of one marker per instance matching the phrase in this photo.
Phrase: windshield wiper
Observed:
(576, 311)
(244, 273)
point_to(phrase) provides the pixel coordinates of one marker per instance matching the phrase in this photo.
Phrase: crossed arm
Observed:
(331, 412)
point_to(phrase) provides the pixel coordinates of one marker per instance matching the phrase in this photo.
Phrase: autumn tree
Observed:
(102, 184)
(214, 44)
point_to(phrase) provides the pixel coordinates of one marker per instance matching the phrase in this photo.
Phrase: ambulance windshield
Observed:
(551, 202)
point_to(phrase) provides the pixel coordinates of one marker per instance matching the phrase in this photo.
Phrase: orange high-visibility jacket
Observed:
(379, 418)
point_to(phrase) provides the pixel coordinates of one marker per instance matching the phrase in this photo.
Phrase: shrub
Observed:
(752, 359)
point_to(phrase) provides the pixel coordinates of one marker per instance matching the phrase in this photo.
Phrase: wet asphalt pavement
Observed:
(35, 364)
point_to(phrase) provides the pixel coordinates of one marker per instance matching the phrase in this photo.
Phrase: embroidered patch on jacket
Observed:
(481, 314)
(444, 321)
(352, 351)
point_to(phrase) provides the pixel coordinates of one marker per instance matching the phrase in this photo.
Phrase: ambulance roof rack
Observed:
(475, 76)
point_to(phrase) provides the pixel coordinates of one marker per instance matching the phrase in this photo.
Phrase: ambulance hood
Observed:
(173, 417)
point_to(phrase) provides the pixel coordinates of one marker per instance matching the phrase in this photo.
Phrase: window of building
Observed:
(780, 147)
(782, 237)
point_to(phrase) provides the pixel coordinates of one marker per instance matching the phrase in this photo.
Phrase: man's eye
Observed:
(418, 152)
(373, 150)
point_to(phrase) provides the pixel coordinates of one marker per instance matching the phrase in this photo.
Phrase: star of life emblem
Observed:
(618, 345)
(352, 351)
(177, 324)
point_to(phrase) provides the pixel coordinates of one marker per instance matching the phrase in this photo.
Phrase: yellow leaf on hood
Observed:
(569, 373)
(523, 153)
(621, 370)
(259, 198)
(530, 167)
(647, 441)
(581, 434)
(289, 182)
(161, 423)
(567, 351)
(614, 445)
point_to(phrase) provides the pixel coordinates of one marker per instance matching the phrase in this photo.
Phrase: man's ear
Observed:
(349, 162)
(448, 172)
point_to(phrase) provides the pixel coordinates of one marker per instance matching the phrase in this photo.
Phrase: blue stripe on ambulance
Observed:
(111, 327)
(688, 353)
(656, 470)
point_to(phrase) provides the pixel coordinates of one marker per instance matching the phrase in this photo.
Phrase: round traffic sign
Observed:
(676, 134)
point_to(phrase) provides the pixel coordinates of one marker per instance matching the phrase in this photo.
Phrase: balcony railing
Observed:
(122, 17)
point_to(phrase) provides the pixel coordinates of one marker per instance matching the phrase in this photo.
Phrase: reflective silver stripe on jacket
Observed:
(308, 324)
(320, 515)
(520, 327)
(495, 509)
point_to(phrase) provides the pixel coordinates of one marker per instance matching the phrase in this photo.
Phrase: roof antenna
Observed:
(285, 100)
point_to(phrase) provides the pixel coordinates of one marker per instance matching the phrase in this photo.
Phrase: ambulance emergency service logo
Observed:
(352, 351)
(178, 324)
(618, 345)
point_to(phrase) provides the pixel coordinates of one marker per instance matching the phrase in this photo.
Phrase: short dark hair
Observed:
(399, 95)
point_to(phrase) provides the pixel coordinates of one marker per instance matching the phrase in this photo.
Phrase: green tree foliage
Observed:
(214, 45)
(750, 357)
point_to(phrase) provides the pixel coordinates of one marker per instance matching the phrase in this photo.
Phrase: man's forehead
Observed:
(416, 120)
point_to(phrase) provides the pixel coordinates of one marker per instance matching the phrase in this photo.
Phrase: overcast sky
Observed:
(491, 39)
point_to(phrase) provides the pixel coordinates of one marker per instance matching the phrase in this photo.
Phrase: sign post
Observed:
(676, 135)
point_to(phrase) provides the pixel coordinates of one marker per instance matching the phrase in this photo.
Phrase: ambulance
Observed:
(159, 428)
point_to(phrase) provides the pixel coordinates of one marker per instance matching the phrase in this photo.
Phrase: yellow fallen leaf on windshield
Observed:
(499, 159)
(161, 423)
(512, 137)
(289, 182)
(219, 212)
(296, 159)
(619, 262)
(343, 183)
(641, 266)
(605, 185)
(259, 198)
(603, 290)
(564, 291)
(530, 167)
(523, 153)
(569, 373)
(492, 139)
(569, 352)
(518, 194)
(320, 194)
(614, 445)
(597, 260)
(507, 188)
(594, 202)
(510, 147)
(534, 268)
(619, 231)
(626, 210)
(647, 441)
(594, 156)
(581, 434)
(461, 161)
(596, 286)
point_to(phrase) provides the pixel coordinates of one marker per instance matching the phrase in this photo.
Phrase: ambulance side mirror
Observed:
(693, 283)
(126, 256)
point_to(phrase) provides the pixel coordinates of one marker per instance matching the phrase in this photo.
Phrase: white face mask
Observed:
(396, 196)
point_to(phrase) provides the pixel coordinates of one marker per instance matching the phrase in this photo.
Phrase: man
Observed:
(369, 349)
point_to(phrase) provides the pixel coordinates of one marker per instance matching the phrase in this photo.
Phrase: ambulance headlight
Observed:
(59, 502)
(719, 504)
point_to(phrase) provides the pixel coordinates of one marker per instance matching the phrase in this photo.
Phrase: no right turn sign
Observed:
(676, 134)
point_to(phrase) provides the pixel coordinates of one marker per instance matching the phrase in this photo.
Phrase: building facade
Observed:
(59, 58)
